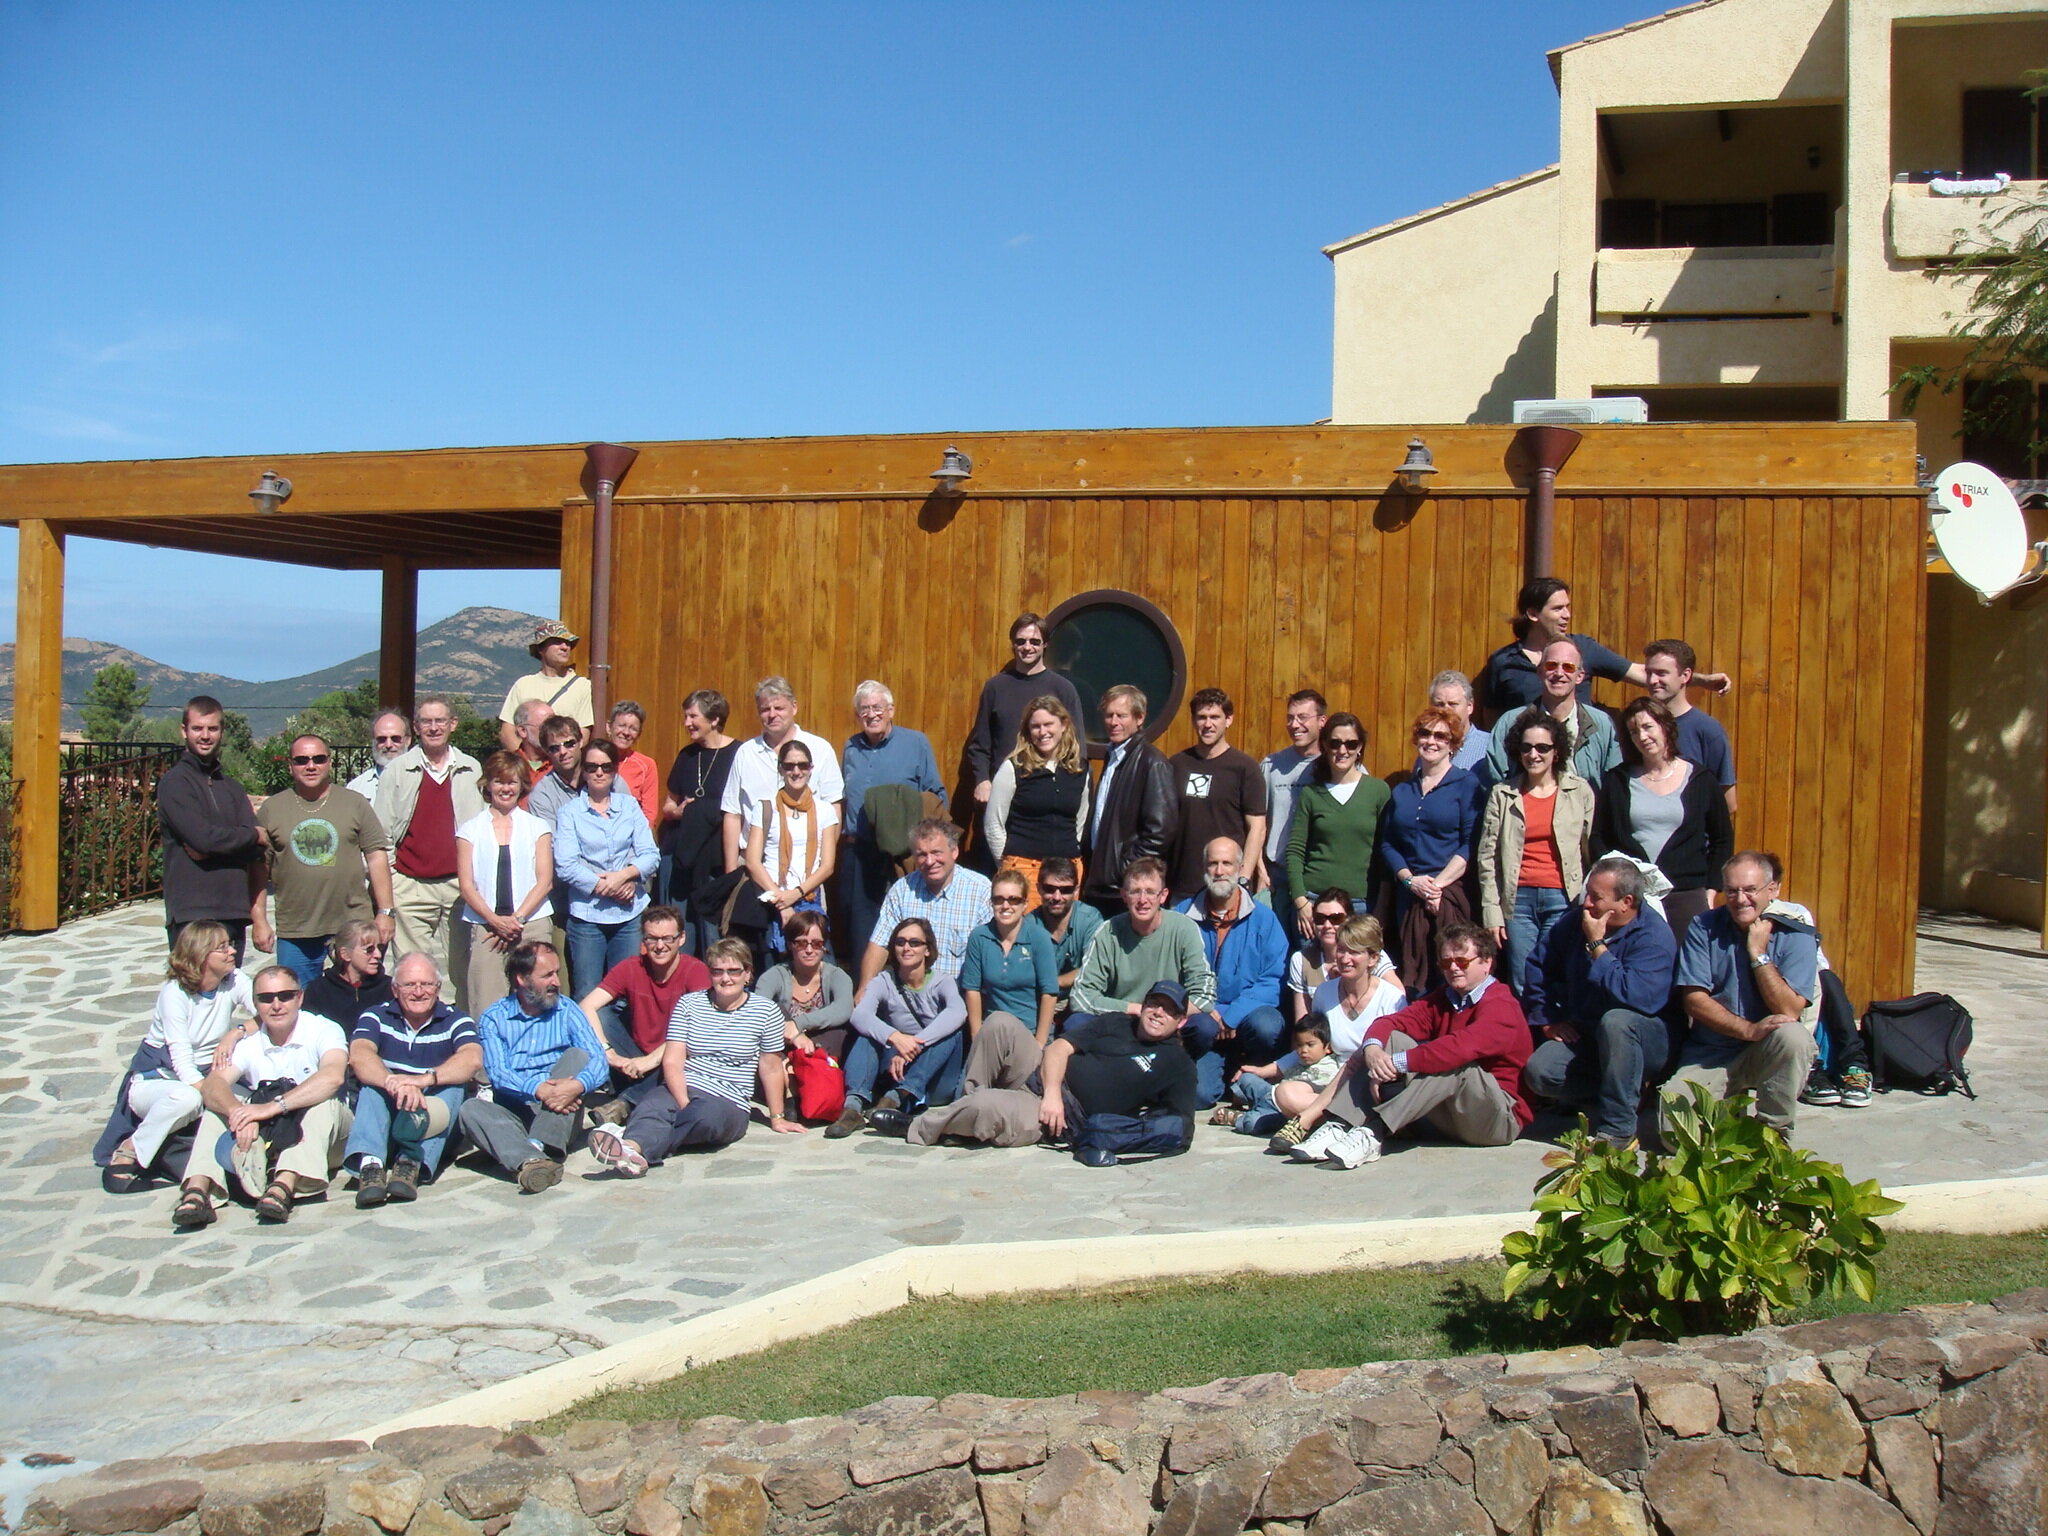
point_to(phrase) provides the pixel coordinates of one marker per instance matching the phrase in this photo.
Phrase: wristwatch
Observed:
(387, 911)
(1758, 962)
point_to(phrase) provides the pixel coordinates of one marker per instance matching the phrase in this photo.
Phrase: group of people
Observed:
(497, 953)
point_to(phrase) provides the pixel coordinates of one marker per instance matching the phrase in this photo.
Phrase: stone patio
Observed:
(132, 1340)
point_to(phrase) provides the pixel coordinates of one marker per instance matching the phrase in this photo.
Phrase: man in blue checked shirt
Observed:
(542, 1057)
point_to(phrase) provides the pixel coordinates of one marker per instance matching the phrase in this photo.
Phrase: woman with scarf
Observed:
(792, 844)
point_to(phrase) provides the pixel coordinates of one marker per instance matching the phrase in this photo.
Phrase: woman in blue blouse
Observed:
(605, 854)
(1426, 840)
(1009, 966)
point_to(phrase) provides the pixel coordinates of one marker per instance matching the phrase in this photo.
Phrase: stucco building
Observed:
(1740, 227)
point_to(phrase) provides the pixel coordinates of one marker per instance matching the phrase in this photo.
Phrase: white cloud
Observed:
(53, 421)
(147, 342)
(1016, 240)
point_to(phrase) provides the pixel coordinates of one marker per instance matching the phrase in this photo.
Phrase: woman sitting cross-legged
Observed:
(188, 1035)
(911, 1044)
(815, 996)
(718, 1043)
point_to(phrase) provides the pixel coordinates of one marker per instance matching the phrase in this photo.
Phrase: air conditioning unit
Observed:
(1579, 413)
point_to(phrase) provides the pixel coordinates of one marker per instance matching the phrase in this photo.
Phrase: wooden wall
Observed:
(1813, 601)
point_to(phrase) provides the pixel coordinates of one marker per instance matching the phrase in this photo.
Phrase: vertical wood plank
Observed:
(38, 716)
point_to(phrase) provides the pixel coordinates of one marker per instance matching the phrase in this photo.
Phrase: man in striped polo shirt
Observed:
(416, 1059)
(542, 1057)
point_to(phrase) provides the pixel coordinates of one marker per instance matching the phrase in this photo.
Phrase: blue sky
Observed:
(282, 228)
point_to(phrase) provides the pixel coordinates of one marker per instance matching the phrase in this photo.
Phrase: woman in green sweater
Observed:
(1336, 823)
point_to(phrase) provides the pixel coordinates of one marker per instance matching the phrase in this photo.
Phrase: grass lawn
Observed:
(1183, 1333)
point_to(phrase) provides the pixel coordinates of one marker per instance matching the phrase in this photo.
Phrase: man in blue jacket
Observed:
(1596, 991)
(1247, 949)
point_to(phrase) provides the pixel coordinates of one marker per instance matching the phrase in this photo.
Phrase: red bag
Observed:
(820, 1085)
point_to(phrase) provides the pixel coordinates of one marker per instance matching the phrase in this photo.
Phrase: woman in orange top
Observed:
(1532, 842)
(638, 774)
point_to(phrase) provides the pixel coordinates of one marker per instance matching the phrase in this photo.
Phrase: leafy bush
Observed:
(1732, 1226)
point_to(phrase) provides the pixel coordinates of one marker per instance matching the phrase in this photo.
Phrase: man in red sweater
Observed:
(1453, 1059)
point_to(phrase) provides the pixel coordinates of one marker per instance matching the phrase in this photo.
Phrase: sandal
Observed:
(123, 1175)
(276, 1204)
(194, 1210)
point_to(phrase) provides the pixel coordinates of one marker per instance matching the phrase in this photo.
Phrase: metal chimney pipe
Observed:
(605, 467)
(1547, 449)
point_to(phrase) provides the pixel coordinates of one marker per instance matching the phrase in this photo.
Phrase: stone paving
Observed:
(134, 1340)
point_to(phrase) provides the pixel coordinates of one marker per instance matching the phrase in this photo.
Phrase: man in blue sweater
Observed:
(542, 1056)
(880, 752)
(1247, 949)
(1596, 990)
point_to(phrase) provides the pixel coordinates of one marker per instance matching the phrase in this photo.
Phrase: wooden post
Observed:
(38, 717)
(398, 639)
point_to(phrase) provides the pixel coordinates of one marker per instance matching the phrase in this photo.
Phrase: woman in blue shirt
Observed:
(1426, 840)
(1009, 966)
(605, 853)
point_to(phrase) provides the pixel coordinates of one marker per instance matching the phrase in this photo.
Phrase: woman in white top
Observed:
(1358, 993)
(505, 868)
(188, 1034)
(792, 843)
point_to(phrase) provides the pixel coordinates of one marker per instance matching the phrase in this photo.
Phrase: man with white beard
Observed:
(390, 739)
(1246, 947)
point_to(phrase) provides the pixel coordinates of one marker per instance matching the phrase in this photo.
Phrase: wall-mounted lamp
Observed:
(1416, 469)
(272, 491)
(953, 468)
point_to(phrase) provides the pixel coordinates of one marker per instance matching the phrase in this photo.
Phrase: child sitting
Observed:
(1267, 1096)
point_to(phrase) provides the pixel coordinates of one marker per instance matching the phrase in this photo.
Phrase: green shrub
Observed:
(1734, 1225)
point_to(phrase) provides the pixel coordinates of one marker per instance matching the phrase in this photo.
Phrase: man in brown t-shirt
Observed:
(329, 862)
(421, 800)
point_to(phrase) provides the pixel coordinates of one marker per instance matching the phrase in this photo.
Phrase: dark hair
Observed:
(1211, 698)
(801, 921)
(1688, 660)
(561, 727)
(519, 963)
(504, 765)
(1140, 868)
(1770, 863)
(712, 705)
(1627, 873)
(662, 914)
(1530, 719)
(1333, 893)
(1310, 696)
(1059, 869)
(1481, 940)
(201, 704)
(611, 753)
(931, 941)
(1314, 1025)
(1536, 594)
(795, 742)
(1028, 620)
(1665, 723)
(1335, 722)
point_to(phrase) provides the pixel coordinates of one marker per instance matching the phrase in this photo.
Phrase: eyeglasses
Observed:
(224, 948)
(1539, 748)
(597, 765)
(570, 745)
(1057, 890)
(1457, 962)
(660, 940)
(1339, 744)
(796, 766)
(908, 944)
(810, 943)
(388, 741)
(308, 759)
(1006, 901)
(435, 722)
(419, 986)
(1432, 735)
(1560, 666)
(1751, 891)
(275, 997)
(728, 970)
(1330, 919)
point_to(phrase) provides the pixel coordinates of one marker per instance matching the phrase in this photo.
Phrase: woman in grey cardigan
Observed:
(911, 1043)
(815, 996)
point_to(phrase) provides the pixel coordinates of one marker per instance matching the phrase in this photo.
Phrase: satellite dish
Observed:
(1979, 528)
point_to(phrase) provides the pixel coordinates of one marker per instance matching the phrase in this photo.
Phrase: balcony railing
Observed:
(1733, 280)
(1927, 228)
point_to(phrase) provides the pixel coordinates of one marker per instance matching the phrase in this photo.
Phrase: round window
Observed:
(1100, 639)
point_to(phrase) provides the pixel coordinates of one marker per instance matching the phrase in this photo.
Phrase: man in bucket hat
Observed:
(556, 684)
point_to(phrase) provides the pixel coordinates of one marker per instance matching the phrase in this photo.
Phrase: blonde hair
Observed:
(1066, 755)
(1362, 935)
(187, 966)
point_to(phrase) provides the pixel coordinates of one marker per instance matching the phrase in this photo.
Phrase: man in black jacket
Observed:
(1136, 812)
(212, 849)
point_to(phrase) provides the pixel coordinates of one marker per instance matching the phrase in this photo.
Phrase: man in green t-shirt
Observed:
(329, 861)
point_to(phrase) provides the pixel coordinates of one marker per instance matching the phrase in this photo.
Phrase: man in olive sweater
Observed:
(1146, 944)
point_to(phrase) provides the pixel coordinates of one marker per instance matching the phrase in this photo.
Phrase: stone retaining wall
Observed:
(1868, 1425)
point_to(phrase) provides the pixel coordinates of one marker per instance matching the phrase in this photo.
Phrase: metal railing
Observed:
(107, 826)
(10, 850)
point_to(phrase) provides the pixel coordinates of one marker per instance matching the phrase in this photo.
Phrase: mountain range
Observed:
(475, 652)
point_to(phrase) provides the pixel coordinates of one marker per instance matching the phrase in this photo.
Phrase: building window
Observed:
(2002, 132)
(2018, 410)
(1103, 638)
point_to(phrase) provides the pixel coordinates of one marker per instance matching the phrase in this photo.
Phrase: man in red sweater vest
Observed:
(1453, 1059)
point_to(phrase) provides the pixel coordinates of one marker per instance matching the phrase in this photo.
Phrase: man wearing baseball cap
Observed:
(556, 684)
(1122, 1083)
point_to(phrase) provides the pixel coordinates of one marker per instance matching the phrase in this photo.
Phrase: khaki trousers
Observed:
(427, 924)
(994, 1105)
(484, 975)
(313, 1159)
(1468, 1105)
(1773, 1068)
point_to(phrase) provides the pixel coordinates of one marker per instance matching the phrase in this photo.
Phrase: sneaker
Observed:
(371, 1188)
(1287, 1138)
(404, 1182)
(852, 1118)
(611, 1112)
(1224, 1114)
(1318, 1143)
(1354, 1146)
(1856, 1088)
(618, 1154)
(539, 1173)
(1820, 1089)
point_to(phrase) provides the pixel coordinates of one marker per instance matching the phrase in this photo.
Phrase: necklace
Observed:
(703, 772)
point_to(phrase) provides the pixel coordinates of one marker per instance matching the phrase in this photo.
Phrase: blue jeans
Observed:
(934, 1078)
(611, 1026)
(1605, 1070)
(371, 1134)
(1260, 1116)
(307, 958)
(1257, 1042)
(1536, 908)
(594, 948)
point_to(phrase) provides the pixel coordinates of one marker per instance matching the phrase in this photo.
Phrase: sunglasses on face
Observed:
(793, 766)
(1537, 748)
(1432, 735)
(1057, 890)
(909, 943)
(1559, 666)
(597, 765)
(1330, 919)
(388, 741)
(807, 944)
(1341, 745)
(308, 759)
(275, 997)
(728, 970)
(1006, 901)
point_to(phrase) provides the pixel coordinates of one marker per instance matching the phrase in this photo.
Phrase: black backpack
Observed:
(1918, 1043)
